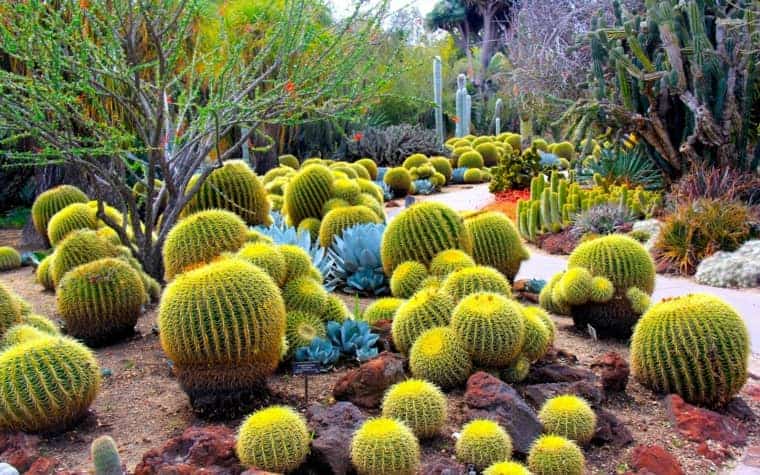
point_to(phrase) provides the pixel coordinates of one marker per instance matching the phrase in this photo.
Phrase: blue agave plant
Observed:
(548, 159)
(424, 187)
(353, 338)
(381, 171)
(319, 349)
(457, 176)
(387, 191)
(281, 233)
(358, 267)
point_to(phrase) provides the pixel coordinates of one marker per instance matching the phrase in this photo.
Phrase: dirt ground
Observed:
(141, 405)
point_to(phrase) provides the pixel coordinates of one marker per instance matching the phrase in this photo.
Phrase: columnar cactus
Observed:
(568, 416)
(105, 456)
(201, 237)
(440, 357)
(384, 446)
(9, 258)
(704, 342)
(420, 232)
(462, 124)
(231, 345)
(555, 455)
(100, 301)
(307, 192)
(418, 404)
(233, 187)
(79, 247)
(50, 202)
(381, 309)
(407, 279)
(275, 439)
(483, 442)
(438, 98)
(72, 217)
(469, 280)
(36, 395)
(491, 327)
(496, 243)
(428, 308)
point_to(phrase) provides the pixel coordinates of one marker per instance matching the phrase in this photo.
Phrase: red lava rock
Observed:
(383, 329)
(43, 466)
(713, 451)
(208, 450)
(366, 385)
(559, 373)
(698, 424)
(613, 370)
(333, 427)
(490, 398)
(18, 449)
(654, 460)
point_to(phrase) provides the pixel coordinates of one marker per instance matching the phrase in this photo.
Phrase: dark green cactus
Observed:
(105, 456)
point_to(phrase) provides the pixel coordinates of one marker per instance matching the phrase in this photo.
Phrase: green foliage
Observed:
(15, 218)
(200, 238)
(450, 260)
(307, 193)
(385, 446)
(705, 342)
(381, 309)
(9, 258)
(570, 417)
(440, 357)
(515, 170)
(471, 159)
(407, 279)
(289, 161)
(36, 395)
(420, 232)
(555, 455)
(337, 220)
(71, 218)
(400, 181)
(274, 439)
(100, 301)
(469, 280)
(628, 167)
(304, 294)
(231, 345)
(418, 404)
(496, 243)
(483, 442)
(49, 202)
(428, 308)
(79, 247)
(491, 327)
(268, 257)
(105, 456)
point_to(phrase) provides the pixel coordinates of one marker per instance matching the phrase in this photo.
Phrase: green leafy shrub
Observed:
(428, 308)
(307, 192)
(382, 309)
(514, 171)
(555, 455)
(469, 280)
(275, 439)
(496, 243)
(385, 446)
(407, 279)
(483, 442)
(49, 202)
(705, 342)
(568, 416)
(418, 404)
(9, 258)
(440, 357)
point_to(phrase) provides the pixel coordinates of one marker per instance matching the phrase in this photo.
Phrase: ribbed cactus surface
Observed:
(555, 455)
(496, 243)
(9, 258)
(469, 280)
(304, 294)
(440, 357)
(568, 416)
(52, 201)
(268, 257)
(105, 456)
(80, 247)
(340, 219)
(428, 308)
(417, 403)
(385, 446)
(302, 327)
(381, 309)
(307, 191)
(619, 258)
(483, 442)
(72, 217)
(275, 439)
(42, 273)
(407, 279)
(450, 260)
(506, 468)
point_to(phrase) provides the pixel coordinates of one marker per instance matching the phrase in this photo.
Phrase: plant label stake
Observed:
(306, 368)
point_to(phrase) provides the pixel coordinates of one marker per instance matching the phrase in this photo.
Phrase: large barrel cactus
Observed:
(74, 216)
(79, 247)
(275, 439)
(234, 187)
(496, 243)
(385, 446)
(100, 301)
(440, 357)
(418, 404)
(50, 202)
(469, 280)
(268, 257)
(307, 192)
(340, 219)
(223, 326)
(428, 308)
(201, 237)
(420, 232)
(696, 345)
(48, 384)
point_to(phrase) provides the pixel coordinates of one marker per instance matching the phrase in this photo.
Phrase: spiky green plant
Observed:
(71, 218)
(555, 455)
(297, 261)
(428, 308)
(472, 175)
(549, 324)
(372, 202)
(268, 257)
(302, 327)
(420, 232)
(517, 371)
(381, 309)
(385, 446)
(200, 238)
(483, 442)
(80, 247)
(506, 468)
(19, 333)
(289, 160)
(469, 280)
(275, 439)
(338, 220)
(307, 192)
(100, 301)
(414, 161)
(331, 204)
(36, 394)
(489, 152)
(621, 259)
(311, 226)
(370, 166)
(448, 261)
(705, 343)
(105, 456)
(9, 258)
(418, 404)
(233, 187)
(546, 300)
(361, 172)
(440, 357)
(575, 286)
(335, 310)
(568, 416)
(304, 294)
(42, 273)
(49, 202)
(496, 243)
(537, 335)
(371, 188)
(346, 189)
(470, 159)
(442, 166)
(231, 345)
(491, 327)
(407, 279)
(10, 313)
(399, 180)
(40, 322)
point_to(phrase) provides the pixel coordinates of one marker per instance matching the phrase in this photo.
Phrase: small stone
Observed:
(699, 425)
(613, 370)
(365, 386)
(610, 431)
(18, 449)
(558, 373)
(654, 460)
(537, 394)
(383, 329)
(42, 466)
(442, 465)
(739, 409)
(333, 428)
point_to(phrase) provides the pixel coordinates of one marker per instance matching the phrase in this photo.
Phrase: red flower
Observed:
(358, 136)
(455, 119)
(290, 87)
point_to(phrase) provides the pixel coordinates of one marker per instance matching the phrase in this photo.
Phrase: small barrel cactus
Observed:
(470, 159)
(369, 165)
(311, 226)
(41, 323)
(705, 343)
(275, 439)
(381, 309)
(537, 336)
(9, 258)
(427, 309)
(489, 152)
(415, 160)
(440, 357)
(289, 160)
(472, 175)
(52, 201)
(496, 243)
(517, 371)
(442, 166)
(100, 301)
(335, 310)
(420, 232)
(74, 216)
(201, 237)
(307, 192)
(549, 324)
(10, 313)
(506, 468)
(491, 327)
(297, 261)
(450, 260)
(407, 279)
(568, 416)
(417, 403)
(346, 189)
(42, 274)
(385, 446)
(399, 180)
(19, 333)
(304, 294)
(555, 455)
(301, 328)
(469, 280)
(36, 395)
(79, 247)
(483, 442)
(340, 219)
(268, 257)
(105, 456)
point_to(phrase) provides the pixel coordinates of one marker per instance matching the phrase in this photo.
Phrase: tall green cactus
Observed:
(464, 107)
(438, 97)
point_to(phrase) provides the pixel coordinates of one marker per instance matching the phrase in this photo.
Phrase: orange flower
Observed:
(84, 4)
(455, 119)
(358, 136)
(290, 87)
